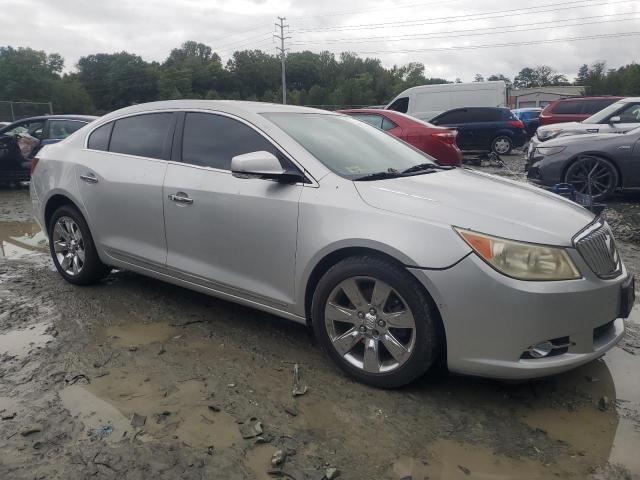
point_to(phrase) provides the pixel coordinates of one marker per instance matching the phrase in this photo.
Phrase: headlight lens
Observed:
(547, 134)
(524, 261)
(549, 150)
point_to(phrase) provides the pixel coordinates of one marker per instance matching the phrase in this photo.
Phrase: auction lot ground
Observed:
(76, 364)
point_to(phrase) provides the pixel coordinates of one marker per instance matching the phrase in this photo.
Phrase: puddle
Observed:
(200, 427)
(19, 239)
(450, 460)
(141, 333)
(20, 342)
(258, 460)
(95, 413)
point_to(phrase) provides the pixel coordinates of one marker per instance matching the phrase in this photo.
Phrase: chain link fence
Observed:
(11, 111)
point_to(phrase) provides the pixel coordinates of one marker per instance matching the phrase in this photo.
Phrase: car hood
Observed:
(570, 140)
(477, 201)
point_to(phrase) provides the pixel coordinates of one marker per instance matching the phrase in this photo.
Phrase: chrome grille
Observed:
(598, 248)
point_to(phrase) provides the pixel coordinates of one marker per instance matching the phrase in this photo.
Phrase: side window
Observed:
(212, 140)
(33, 128)
(568, 107)
(59, 129)
(387, 124)
(142, 135)
(375, 120)
(99, 139)
(485, 115)
(400, 105)
(630, 114)
(452, 117)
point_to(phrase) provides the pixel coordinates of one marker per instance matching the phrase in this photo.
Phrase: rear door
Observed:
(120, 179)
(233, 235)
(458, 119)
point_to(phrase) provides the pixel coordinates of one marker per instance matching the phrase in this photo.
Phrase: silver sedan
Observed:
(394, 261)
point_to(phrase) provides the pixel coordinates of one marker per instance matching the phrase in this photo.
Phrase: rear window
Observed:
(59, 129)
(570, 107)
(400, 105)
(99, 139)
(375, 120)
(142, 135)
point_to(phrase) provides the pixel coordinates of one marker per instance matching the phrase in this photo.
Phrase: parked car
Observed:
(530, 118)
(21, 140)
(596, 164)
(427, 101)
(574, 109)
(483, 128)
(619, 117)
(438, 142)
(316, 217)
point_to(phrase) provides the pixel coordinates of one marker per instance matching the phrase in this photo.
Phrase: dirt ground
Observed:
(137, 379)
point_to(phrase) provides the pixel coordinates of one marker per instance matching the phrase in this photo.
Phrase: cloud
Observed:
(152, 28)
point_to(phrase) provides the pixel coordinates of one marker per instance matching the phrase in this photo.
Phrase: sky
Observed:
(453, 39)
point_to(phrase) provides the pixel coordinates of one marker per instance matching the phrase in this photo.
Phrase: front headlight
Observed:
(546, 151)
(547, 134)
(524, 261)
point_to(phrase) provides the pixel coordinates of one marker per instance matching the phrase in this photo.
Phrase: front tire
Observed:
(603, 176)
(376, 323)
(502, 145)
(72, 248)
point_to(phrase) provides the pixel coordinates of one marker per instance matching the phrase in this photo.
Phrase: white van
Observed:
(427, 101)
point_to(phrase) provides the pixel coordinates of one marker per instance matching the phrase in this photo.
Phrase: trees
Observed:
(500, 76)
(540, 76)
(624, 81)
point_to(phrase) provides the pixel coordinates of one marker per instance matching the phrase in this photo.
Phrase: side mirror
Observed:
(262, 165)
(615, 119)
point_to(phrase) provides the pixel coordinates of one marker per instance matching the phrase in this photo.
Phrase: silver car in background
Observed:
(322, 219)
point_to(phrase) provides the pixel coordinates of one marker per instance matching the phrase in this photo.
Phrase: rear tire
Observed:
(385, 331)
(502, 145)
(72, 248)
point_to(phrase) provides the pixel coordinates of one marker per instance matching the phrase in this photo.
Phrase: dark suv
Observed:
(21, 140)
(484, 128)
(574, 109)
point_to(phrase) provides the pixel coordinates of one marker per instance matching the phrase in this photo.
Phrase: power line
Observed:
(493, 31)
(393, 7)
(463, 18)
(499, 45)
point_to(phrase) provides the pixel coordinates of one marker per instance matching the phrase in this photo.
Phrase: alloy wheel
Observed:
(68, 246)
(370, 325)
(591, 170)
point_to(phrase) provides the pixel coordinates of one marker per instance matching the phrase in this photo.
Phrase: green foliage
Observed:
(623, 81)
(104, 82)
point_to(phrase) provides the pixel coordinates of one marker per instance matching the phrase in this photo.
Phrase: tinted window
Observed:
(99, 139)
(484, 115)
(142, 135)
(568, 107)
(593, 106)
(213, 140)
(630, 114)
(375, 120)
(60, 129)
(400, 105)
(452, 117)
(387, 124)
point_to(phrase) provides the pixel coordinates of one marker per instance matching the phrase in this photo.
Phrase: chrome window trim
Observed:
(305, 172)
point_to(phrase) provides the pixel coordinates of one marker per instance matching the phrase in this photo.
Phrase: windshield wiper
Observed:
(425, 167)
(389, 173)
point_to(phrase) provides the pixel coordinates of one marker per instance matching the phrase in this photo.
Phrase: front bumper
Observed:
(490, 320)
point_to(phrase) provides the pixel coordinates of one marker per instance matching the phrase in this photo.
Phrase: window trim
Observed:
(177, 139)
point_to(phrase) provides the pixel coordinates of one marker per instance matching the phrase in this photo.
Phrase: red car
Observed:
(574, 109)
(438, 142)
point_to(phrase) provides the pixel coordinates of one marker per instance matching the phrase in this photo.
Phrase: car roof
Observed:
(586, 99)
(228, 106)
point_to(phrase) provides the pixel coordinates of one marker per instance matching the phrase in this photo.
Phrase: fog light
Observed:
(541, 349)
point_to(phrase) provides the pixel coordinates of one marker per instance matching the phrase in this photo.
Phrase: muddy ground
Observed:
(137, 379)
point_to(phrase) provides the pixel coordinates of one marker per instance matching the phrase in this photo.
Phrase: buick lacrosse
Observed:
(317, 217)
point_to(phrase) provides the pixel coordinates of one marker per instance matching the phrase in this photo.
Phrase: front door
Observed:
(234, 235)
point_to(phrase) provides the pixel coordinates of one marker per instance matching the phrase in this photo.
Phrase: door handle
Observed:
(89, 178)
(181, 198)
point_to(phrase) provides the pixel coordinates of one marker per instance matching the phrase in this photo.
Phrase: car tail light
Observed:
(446, 137)
(516, 123)
(34, 164)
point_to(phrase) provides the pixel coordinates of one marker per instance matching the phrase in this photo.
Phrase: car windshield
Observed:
(346, 146)
(601, 116)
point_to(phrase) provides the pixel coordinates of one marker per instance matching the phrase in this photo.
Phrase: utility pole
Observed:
(282, 50)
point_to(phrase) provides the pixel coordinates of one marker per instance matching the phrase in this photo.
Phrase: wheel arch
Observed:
(56, 201)
(602, 155)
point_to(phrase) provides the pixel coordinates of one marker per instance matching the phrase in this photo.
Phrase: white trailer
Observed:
(427, 101)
